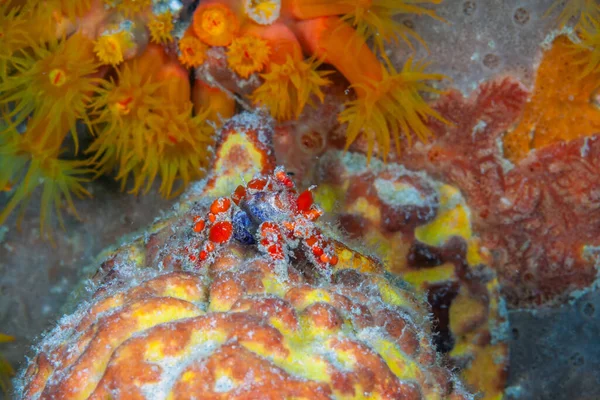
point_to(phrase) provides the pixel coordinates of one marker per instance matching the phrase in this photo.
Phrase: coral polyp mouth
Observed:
(213, 22)
(58, 77)
(124, 106)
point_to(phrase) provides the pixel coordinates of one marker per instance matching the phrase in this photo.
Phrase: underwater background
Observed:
(452, 145)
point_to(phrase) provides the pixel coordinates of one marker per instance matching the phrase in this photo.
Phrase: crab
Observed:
(269, 213)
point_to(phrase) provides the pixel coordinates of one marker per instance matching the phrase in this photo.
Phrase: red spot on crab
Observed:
(199, 226)
(313, 214)
(220, 232)
(220, 205)
(276, 251)
(257, 184)
(284, 179)
(238, 194)
(304, 201)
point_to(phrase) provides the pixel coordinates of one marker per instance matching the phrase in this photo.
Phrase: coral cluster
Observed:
(242, 323)
(121, 68)
(91, 62)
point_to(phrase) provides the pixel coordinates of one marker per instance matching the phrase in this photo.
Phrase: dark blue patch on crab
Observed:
(259, 209)
(243, 228)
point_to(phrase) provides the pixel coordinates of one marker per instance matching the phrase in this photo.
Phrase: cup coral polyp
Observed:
(145, 125)
(110, 48)
(290, 80)
(248, 54)
(263, 12)
(54, 81)
(215, 24)
(388, 102)
(192, 51)
(372, 19)
(577, 10)
(160, 28)
(288, 87)
(119, 114)
(27, 160)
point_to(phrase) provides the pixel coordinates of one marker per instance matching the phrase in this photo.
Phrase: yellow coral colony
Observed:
(51, 83)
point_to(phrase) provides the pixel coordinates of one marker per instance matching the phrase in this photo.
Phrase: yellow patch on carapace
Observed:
(563, 106)
(306, 365)
(188, 376)
(312, 297)
(272, 285)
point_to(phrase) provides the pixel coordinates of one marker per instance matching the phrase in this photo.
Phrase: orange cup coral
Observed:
(248, 54)
(192, 52)
(215, 24)
(290, 80)
(387, 102)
